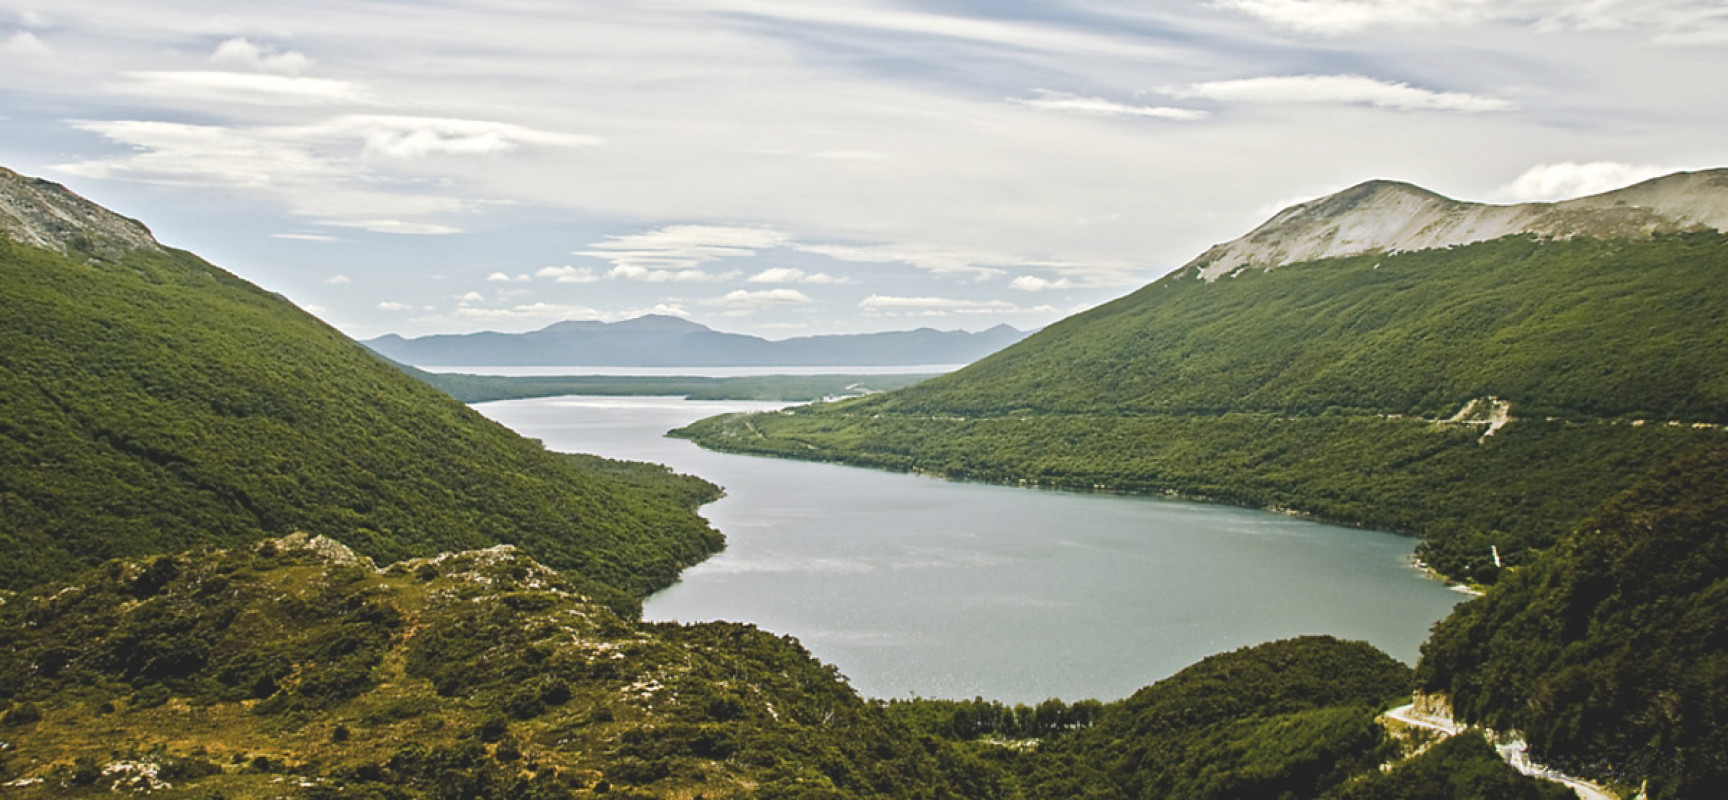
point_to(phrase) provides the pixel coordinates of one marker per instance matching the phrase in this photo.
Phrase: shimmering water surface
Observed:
(914, 585)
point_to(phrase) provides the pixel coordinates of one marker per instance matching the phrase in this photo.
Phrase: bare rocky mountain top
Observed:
(1391, 216)
(45, 214)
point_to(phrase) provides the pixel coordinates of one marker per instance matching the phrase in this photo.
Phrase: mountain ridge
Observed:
(658, 340)
(1392, 216)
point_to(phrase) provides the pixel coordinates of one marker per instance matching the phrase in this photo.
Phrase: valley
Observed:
(245, 557)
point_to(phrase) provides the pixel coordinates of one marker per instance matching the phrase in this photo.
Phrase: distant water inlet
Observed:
(918, 586)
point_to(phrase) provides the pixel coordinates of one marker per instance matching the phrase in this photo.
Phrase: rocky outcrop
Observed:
(45, 214)
(1390, 216)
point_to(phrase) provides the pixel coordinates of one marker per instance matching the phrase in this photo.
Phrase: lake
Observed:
(920, 586)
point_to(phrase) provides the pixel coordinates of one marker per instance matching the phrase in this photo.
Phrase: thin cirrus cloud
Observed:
(743, 302)
(1097, 106)
(252, 88)
(943, 306)
(793, 275)
(567, 274)
(25, 43)
(1341, 90)
(338, 171)
(1668, 22)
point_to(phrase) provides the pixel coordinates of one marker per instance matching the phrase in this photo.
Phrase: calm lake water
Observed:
(914, 585)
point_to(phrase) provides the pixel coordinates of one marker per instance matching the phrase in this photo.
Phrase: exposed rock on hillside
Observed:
(45, 214)
(1392, 216)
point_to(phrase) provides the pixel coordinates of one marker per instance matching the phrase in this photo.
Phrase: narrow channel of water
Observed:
(913, 585)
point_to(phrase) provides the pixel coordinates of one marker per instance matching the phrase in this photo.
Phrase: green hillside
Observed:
(1355, 389)
(1611, 653)
(150, 402)
(474, 676)
(293, 665)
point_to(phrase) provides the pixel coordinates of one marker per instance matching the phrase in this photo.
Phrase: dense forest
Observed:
(153, 403)
(1611, 653)
(1338, 389)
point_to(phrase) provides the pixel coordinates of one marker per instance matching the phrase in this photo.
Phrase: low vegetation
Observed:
(295, 665)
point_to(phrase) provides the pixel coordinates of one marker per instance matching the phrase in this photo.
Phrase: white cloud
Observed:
(243, 87)
(1097, 106)
(1567, 179)
(529, 311)
(855, 155)
(792, 275)
(417, 137)
(498, 277)
(568, 274)
(321, 170)
(391, 305)
(1673, 22)
(305, 237)
(937, 260)
(640, 274)
(680, 247)
(471, 297)
(1343, 90)
(740, 302)
(397, 226)
(243, 54)
(25, 43)
(1033, 283)
(943, 306)
(1333, 17)
(338, 280)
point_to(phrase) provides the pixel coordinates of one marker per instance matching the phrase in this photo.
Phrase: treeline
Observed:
(1517, 491)
(762, 388)
(977, 718)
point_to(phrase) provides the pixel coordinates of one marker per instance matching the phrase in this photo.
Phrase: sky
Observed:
(794, 167)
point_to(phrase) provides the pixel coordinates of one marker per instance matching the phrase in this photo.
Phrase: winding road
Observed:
(1516, 753)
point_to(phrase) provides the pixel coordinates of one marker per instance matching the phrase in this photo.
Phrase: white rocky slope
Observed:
(1389, 216)
(45, 214)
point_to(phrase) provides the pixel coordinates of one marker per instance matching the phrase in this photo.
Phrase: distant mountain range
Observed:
(663, 341)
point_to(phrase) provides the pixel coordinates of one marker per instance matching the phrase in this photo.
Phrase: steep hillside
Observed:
(1611, 653)
(1486, 395)
(150, 402)
(663, 341)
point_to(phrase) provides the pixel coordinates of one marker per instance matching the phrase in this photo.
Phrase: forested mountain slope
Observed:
(150, 402)
(1357, 388)
(1611, 653)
